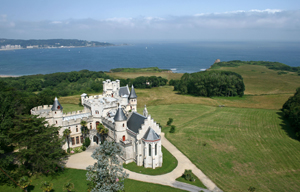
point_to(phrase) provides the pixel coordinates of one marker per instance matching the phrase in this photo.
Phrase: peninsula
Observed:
(12, 44)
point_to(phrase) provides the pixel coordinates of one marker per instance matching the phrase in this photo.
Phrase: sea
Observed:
(180, 57)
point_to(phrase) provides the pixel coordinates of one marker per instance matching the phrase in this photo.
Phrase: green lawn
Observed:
(235, 147)
(197, 182)
(79, 179)
(169, 164)
(71, 107)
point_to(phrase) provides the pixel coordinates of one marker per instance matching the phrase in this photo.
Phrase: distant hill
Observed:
(49, 43)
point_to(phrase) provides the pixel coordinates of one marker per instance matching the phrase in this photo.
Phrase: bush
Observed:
(69, 150)
(83, 148)
(87, 142)
(172, 130)
(170, 121)
(187, 175)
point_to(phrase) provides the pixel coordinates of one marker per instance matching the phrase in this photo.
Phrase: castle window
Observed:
(96, 112)
(69, 128)
(76, 128)
(77, 140)
(123, 137)
(56, 122)
(58, 107)
(123, 124)
(155, 149)
(81, 139)
(91, 127)
(149, 150)
(55, 112)
(73, 140)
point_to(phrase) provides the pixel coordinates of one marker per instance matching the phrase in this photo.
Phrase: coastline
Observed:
(1, 76)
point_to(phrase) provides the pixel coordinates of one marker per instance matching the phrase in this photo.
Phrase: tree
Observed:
(172, 129)
(46, 186)
(170, 121)
(102, 131)
(68, 186)
(40, 147)
(107, 173)
(66, 135)
(84, 129)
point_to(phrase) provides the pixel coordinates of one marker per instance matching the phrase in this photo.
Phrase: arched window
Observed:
(55, 122)
(149, 150)
(155, 149)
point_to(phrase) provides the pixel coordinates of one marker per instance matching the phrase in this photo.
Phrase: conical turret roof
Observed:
(120, 116)
(132, 93)
(150, 135)
(56, 105)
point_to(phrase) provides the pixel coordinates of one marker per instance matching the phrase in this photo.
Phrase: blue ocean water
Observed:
(180, 57)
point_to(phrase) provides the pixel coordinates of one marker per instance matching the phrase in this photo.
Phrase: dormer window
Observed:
(58, 107)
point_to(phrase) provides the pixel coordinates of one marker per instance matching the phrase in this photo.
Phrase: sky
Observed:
(141, 20)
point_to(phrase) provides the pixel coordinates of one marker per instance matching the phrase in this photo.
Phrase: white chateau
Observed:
(116, 109)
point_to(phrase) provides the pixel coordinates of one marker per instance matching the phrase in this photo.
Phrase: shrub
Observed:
(187, 175)
(77, 150)
(251, 189)
(170, 121)
(46, 186)
(83, 148)
(68, 186)
(87, 142)
(69, 150)
(172, 130)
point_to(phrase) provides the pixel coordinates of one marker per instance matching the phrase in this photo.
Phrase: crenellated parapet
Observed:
(40, 109)
(77, 121)
(108, 123)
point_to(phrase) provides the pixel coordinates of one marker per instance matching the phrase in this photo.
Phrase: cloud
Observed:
(270, 24)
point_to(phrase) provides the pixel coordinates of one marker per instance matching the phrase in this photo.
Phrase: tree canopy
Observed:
(107, 173)
(210, 83)
(291, 110)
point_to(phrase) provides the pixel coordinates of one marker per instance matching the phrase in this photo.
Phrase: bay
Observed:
(181, 57)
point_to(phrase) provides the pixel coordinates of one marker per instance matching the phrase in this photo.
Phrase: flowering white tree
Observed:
(107, 173)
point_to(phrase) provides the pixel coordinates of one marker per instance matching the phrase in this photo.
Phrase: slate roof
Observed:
(56, 105)
(132, 93)
(120, 116)
(124, 91)
(150, 135)
(135, 122)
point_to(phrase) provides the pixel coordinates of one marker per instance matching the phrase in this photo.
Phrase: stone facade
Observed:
(116, 109)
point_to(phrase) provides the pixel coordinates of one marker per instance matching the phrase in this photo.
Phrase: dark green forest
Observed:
(210, 83)
(291, 110)
(75, 82)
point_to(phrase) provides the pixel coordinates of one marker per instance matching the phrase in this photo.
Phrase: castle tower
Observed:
(120, 125)
(57, 113)
(145, 112)
(133, 99)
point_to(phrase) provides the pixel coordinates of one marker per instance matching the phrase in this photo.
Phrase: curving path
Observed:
(84, 159)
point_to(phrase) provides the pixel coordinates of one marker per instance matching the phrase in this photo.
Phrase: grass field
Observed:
(79, 179)
(124, 75)
(244, 147)
(169, 164)
(197, 182)
(261, 80)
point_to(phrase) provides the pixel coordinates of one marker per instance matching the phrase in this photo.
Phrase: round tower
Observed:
(132, 100)
(57, 113)
(120, 125)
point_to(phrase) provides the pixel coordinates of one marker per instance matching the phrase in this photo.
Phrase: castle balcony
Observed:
(125, 143)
